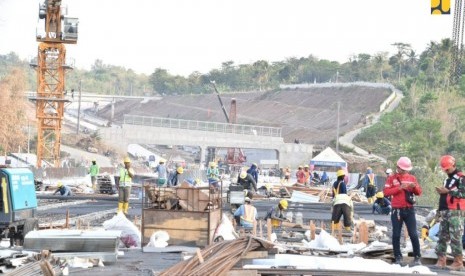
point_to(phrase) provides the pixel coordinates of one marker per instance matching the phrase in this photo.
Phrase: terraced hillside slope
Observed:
(306, 114)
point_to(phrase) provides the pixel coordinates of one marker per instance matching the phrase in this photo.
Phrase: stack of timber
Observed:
(218, 258)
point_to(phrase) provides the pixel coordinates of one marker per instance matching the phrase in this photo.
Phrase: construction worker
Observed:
(162, 172)
(342, 203)
(94, 170)
(213, 175)
(287, 174)
(276, 213)
(307, 174)
(174, 179)
(451, 214)
(430, 230)
(248, 182)
(388, 172)
(125, 183)
(382, 205)
(246, 214)
(397, 186)
(63, 189)
(300, 175)
(324, 178)
(369, 184)
(253, 171)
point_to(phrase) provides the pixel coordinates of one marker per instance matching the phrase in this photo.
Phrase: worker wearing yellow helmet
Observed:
(63, 189)
(173, 179)
(247, 181)
(124, 187)
(276, 213)
(382, 205)
(342, 203)
(213, 175)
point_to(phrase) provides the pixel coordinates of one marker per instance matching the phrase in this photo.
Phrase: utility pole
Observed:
(79, 107)
(28, 136)
(337, 128)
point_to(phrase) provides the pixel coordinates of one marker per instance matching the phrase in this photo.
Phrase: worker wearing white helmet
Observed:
(125, 183)
(388, 172)
(246, 214)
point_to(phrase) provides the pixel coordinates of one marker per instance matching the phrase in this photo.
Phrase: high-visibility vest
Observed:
(124, 179)
(249, 214)
(455, 203)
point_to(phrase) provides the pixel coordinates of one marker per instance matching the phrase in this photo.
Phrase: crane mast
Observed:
(457, 39)
(51, 67)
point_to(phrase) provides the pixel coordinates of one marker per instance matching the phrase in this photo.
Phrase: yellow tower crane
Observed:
(51, 67)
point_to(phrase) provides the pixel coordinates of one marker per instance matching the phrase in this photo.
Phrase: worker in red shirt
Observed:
(398, 185)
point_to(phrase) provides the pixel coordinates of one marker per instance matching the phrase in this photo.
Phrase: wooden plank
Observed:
(312, 230)
(268, 228)
(255, 255)
(242, 272)
(294, 225)
(363, 232)
(199, 255)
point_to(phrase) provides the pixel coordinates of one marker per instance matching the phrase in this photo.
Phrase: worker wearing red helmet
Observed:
(399, 185)
(451, 212)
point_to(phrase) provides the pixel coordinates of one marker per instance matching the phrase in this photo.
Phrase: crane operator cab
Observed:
(18, 204)
(56, 26)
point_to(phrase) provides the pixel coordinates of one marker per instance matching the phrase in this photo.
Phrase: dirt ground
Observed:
(309, 115)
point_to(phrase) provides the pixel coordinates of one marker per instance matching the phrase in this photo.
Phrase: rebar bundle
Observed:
(218, 258)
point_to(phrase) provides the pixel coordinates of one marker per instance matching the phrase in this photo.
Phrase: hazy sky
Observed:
(183, 36)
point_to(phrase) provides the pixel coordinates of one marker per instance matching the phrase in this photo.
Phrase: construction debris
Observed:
(218, 258)
(72, 240)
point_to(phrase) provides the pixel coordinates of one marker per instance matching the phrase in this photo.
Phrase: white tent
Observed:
(328, 158)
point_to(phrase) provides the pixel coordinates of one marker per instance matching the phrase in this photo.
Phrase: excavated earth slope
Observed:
(306, 114)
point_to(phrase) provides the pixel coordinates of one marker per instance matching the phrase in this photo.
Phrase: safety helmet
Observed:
(212, 164)
(162, 160)
(180, 170)
(404, 163)
(243, 175)
(388, 171)
(127, 160)
(247, 199)
(447, 162)
(340, 173)
(300, 167)
(306, 166)
(93, 160)
(59, 184)
(379, 195)
(283, 203)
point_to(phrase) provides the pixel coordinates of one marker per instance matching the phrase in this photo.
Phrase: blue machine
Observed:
(18, 203)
